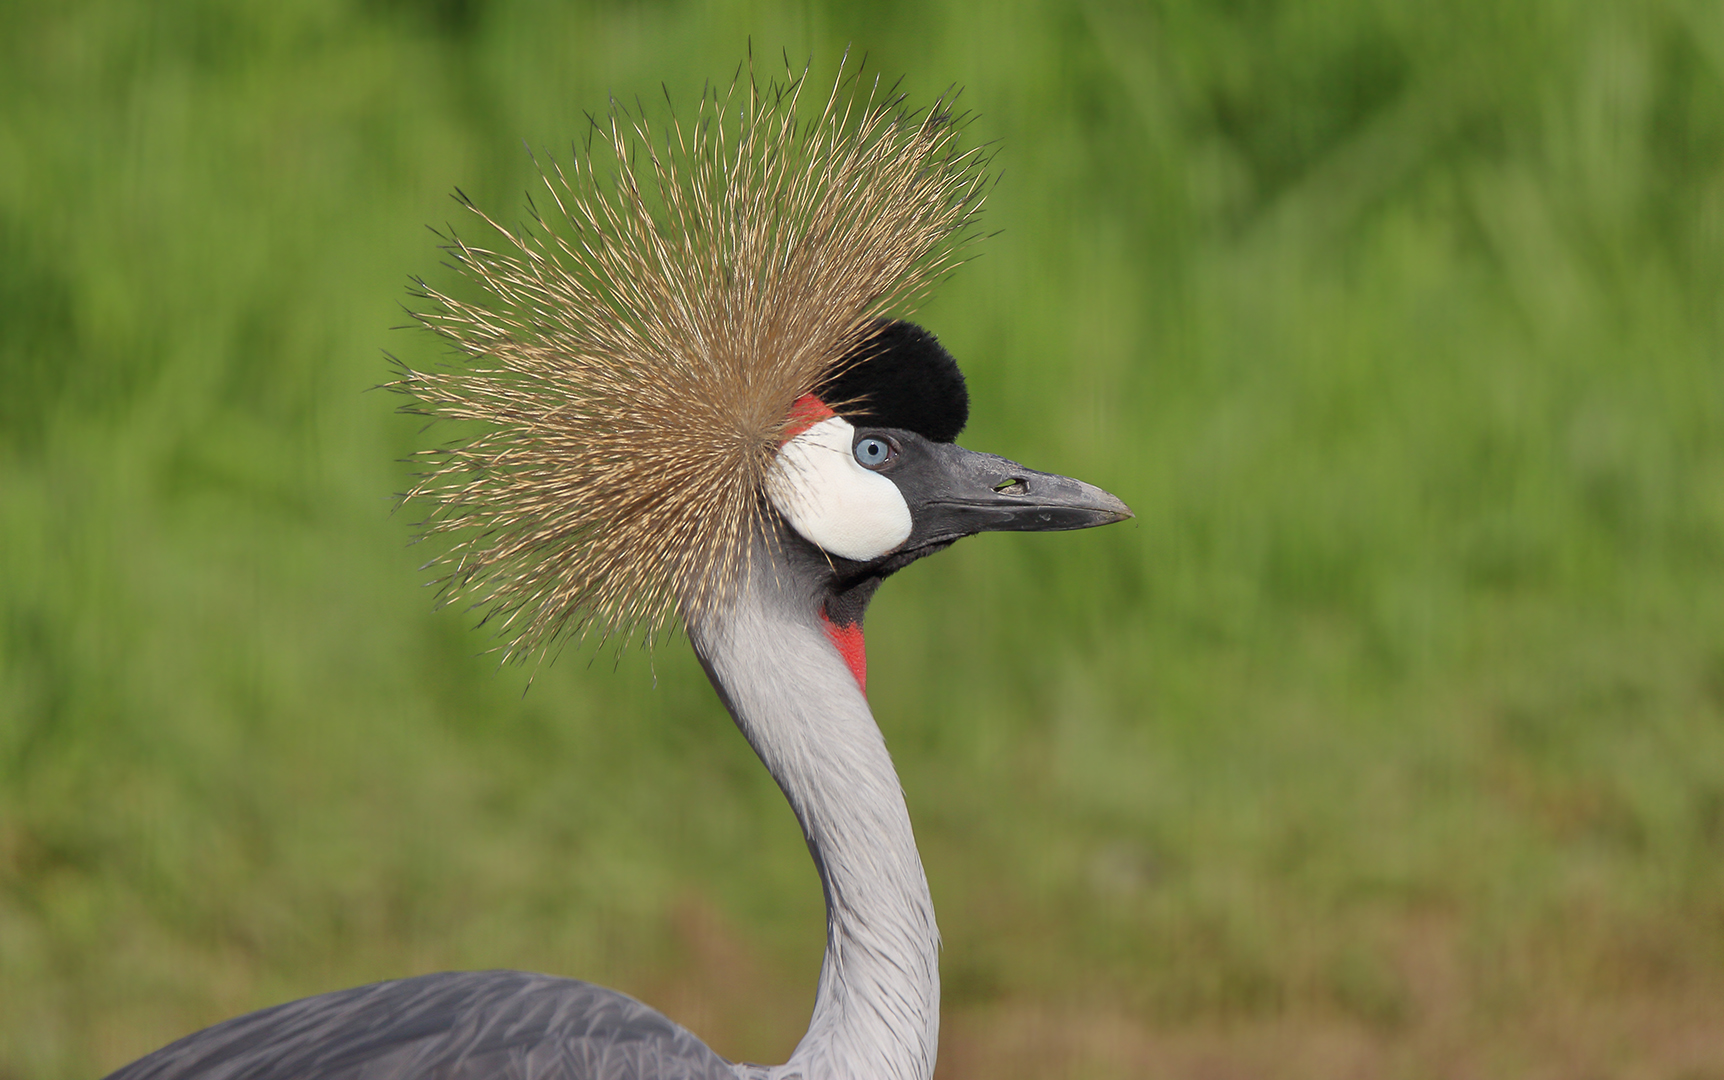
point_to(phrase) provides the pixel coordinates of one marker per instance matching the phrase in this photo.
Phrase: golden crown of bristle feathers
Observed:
(632, 360)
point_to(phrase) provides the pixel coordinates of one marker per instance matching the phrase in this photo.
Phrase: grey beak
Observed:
(961, 492)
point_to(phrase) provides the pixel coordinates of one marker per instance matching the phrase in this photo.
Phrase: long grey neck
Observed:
(877, 1011)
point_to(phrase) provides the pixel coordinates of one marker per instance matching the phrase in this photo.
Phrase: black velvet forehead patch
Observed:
(900, 377)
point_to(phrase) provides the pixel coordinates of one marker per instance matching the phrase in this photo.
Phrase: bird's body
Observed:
(466, 1025)
(859, 477)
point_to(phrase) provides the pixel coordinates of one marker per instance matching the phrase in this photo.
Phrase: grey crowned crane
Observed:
(693, 400)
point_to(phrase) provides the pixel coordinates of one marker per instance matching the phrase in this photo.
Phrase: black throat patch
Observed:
(901, 377)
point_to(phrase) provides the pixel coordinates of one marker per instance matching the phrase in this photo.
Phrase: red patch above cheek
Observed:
(848, 641)
(808, 411)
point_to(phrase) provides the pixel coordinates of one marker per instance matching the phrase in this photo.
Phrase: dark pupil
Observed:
(871, 451)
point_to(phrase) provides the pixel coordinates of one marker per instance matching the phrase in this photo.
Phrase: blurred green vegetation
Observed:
(1388, 740)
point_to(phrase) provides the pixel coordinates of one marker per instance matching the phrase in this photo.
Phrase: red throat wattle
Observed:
(848, 640)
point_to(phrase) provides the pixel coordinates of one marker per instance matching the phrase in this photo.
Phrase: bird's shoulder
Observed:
(508, 1025)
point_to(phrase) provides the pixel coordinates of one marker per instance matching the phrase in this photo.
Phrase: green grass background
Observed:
(1387, 741)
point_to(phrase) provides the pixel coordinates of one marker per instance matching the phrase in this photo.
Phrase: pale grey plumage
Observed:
(876, 1014)
(877, 1010)
(476, 1025)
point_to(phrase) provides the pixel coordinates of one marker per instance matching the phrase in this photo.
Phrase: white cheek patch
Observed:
(836, 504)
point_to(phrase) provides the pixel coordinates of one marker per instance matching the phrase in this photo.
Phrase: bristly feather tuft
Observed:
(631, 361)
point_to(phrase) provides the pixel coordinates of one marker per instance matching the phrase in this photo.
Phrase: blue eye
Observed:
(873, 452)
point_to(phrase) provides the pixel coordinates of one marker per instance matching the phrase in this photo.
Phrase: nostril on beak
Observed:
(1014, 486)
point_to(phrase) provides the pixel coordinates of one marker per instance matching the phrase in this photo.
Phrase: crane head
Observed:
(870, 476)
(643, 386)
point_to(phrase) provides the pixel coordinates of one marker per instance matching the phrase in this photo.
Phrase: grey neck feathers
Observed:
(877, 1011)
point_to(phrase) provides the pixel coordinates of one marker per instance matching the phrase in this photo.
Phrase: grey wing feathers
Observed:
(479, 1025)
